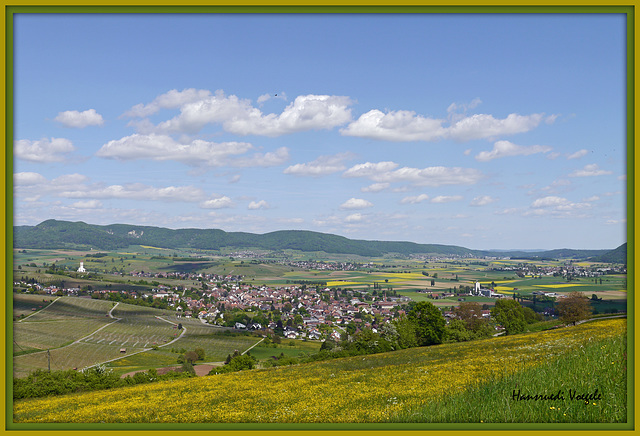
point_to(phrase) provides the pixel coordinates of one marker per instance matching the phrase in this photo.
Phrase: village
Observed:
(302, 310)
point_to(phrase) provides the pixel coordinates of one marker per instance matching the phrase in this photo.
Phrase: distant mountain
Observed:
(52, 234)
(63, 234)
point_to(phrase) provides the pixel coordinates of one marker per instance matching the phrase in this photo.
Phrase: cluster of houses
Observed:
(568, 269)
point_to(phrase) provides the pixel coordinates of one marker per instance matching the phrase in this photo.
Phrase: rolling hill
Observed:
(53, 234)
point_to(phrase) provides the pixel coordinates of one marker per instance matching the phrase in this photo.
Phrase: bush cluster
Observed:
(42, 383)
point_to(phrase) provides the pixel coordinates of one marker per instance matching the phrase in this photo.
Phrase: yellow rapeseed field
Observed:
(342, 283)
(558, 285)
(352, 390)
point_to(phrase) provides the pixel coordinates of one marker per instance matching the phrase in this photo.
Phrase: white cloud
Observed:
(323, 165)
(195, 153)
(254, 205)
(170, 100)
(507, 149)
(266, 97)
(408, 126)
(446, 198)
(356, 203)
(28, 179)
(395, 126)
(43, 151)
(482, 200)
(135, 191)
(77, 186)
(375, 187)
(354, 218)
(217, 203)
(550, 201)
(589, 171)
(270, 159)
(554, 204)
(578, 154)
(386, 172)
(369, 169)
(239, 116)
(414, 199)
(80, 120)
(483, 126)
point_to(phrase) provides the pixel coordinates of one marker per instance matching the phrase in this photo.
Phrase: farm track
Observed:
(35, 313)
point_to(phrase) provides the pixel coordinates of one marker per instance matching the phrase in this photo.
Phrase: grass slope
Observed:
(406, 385)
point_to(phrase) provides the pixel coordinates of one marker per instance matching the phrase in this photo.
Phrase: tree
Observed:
(191, 357)
(470, 312)
(428, 322)
(510, 314)
(575, 307)
(200, 352)
(457, 331)
(531, 316)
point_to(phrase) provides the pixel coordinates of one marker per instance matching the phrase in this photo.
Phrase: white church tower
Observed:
(81, 269)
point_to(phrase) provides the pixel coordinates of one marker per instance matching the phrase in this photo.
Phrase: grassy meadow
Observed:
(471, 382)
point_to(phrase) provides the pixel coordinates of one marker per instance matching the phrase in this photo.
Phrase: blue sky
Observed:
(479, 130)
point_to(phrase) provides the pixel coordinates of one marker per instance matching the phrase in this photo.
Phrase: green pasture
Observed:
(290, 348)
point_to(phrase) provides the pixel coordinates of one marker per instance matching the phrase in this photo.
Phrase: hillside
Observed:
(52, 234)
(459, 382)
(62, 234)
(619, 255)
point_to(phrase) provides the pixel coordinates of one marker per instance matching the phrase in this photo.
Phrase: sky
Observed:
(487, 131)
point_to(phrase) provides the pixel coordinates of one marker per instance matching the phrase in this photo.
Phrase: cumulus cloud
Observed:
(356, 203)
(414, 199)
(270, 159)
(446, 198)
(194, 153)
(387, 172)
(199, 108)
(80, 120)
(135, 191)
(354, 218)
(395, 126)
(405, 125)
(78, 186)
(254, 205)
(578, 154)
(482, 200)
(322, 166)
(43, 151)
(170, 100)
(217, 203)
(483, 126)
(375, 187)
(163, 148)
(556, 204)
(507, 149)
(370, 169)
(28, 179)
(590, 171)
